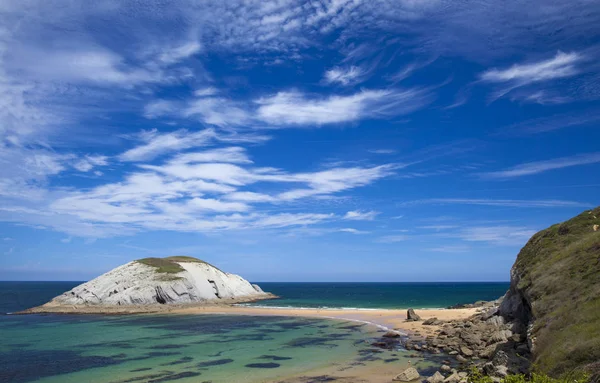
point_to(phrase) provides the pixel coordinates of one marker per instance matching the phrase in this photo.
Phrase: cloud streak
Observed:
(561, 65)
(497, 202)
(357, 215)
(343, 76)
(531, 168)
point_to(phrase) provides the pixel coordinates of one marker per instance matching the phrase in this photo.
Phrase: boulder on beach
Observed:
(160, 281)
(435, 378)
(407, 375)
(412, 316)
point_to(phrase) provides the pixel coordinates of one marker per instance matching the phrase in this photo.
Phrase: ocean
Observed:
(211, 348)
(394, 295)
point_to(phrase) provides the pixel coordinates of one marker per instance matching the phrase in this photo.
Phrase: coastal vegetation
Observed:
(476, 376)
(162, 265)
(557, 276)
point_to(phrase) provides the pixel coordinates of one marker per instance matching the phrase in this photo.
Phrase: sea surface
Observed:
(395, 295)
(209, 348)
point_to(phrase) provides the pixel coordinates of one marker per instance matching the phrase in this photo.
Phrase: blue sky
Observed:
(288, 140)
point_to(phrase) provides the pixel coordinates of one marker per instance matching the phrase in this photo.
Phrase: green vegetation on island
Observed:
(170, 265)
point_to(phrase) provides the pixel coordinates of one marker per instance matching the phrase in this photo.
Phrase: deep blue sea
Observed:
(15, 296)
(381, 295)
(214, 348)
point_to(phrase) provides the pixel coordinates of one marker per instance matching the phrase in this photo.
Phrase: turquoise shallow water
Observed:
(207, 348)
(182, 348)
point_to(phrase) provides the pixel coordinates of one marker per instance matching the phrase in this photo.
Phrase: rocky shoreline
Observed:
(486, 341)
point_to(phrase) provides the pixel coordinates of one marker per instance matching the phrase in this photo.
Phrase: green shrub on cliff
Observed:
(559, 271)
(476, 376)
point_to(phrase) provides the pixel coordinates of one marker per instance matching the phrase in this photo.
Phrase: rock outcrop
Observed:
(160, 281)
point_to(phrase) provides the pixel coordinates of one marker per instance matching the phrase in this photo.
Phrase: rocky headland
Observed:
(155, 284)
(548, 322)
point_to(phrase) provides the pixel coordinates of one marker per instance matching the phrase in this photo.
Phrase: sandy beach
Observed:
(391, 319)
(387, 318)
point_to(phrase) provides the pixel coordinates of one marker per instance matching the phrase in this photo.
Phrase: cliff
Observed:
(555, 295)
(156, 282)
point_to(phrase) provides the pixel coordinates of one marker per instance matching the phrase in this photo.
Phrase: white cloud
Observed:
(179, 53)
(383, 151)
(536, 167)
(159, 108)
(217, 111)
(190, 192)
(79, 65)
(293, 108)
(497, 235)
(352, 231)
(296, 109)
(392, 238)
(554, 122)
(358, 215)
(88, 162)
(523, 81)
(155, 144)
(246, 196)
(233, 155)
(498, 202)
(211, 204)
(562, 65)
(449, 249)
(344, 76)
(438, 227)
(204, 92)
(336, 180)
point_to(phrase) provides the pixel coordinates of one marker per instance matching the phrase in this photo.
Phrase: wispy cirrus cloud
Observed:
(392, 238)
(297, 109)
(383, 151)
(450, 249)
(496, 202)
(523, 81)
(552, 123)
(344, 76)
(561, 65)
(497, 235)
(357, 215)
(536, 167)
(294, 108)
(154, 143)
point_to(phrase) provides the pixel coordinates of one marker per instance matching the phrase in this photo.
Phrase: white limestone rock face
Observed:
(137, 283)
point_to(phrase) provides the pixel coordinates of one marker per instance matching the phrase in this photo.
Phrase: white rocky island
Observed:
(155, 284)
